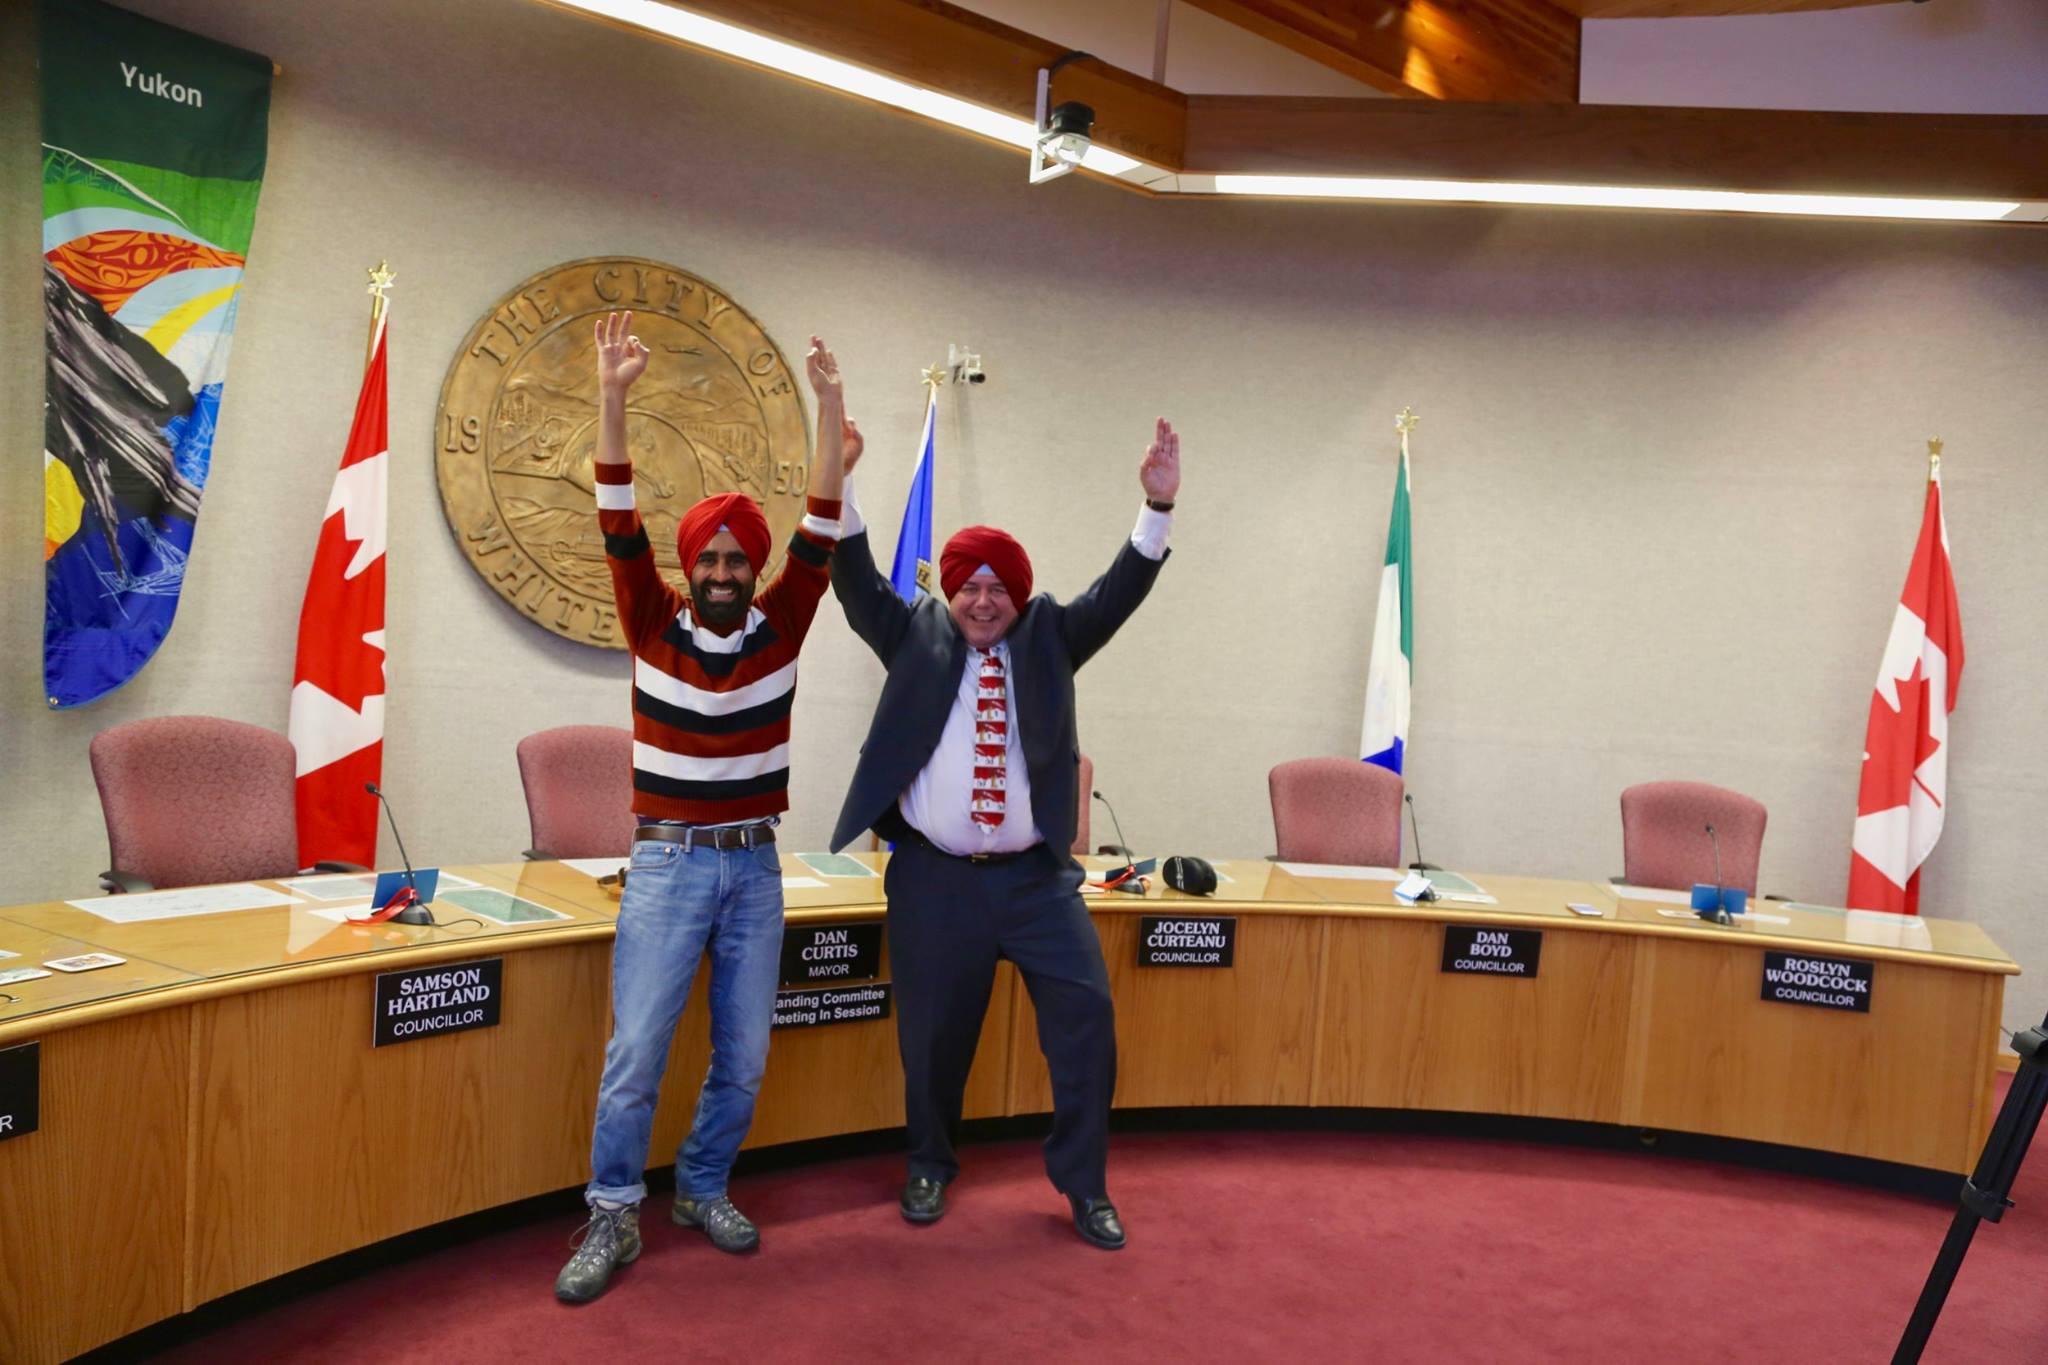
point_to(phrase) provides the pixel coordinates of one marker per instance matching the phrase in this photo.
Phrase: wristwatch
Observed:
(1158, 506)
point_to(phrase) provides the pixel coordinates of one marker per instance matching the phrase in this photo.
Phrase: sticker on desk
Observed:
(502, 906)
(835, 865)
(831, 952)
(21, 1086)
(84, 962)
(1827, 983)
(1187, 940)
(833, 1005)
(1487, 951)
(8, 978)
(422, 1002)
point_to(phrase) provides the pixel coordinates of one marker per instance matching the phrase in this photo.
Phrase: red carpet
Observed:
(1244, 1247)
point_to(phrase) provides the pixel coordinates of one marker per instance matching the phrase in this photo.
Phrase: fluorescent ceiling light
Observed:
(830, 71)
(1612, 196)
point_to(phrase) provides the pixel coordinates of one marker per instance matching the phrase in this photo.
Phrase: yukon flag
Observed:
(1904, 793)
(1392, 668)
(912, 570)
(337, 712)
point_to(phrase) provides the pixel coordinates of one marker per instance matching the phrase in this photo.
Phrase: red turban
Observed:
(968, 550)
(737, 513)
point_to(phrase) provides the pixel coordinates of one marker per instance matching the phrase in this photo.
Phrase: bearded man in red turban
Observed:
(714, 674)
(972, 767)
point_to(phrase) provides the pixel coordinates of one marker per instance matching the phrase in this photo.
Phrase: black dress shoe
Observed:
(924, 1200)
(1095, 1219)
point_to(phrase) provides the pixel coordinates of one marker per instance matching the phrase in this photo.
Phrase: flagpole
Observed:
(1934, 457)
(381, 277)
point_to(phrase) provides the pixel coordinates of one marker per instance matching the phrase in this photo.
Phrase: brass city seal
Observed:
(717, 411)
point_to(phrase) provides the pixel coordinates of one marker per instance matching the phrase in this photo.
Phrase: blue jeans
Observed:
(679, 901)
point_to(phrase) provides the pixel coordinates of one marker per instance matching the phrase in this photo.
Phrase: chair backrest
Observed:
(1083, 804)
(190, 800)
(1664, 839)
(1336, 810)
(579, 790)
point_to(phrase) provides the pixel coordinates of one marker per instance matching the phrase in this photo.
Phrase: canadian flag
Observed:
(337, 712)
(1904, 794)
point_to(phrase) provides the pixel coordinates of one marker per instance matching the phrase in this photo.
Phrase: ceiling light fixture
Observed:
(1607, 196)
(804, 64)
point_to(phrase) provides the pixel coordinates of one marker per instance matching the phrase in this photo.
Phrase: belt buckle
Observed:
(981, 857)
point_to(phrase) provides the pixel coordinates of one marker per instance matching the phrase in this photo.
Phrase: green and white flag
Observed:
(1391, 672)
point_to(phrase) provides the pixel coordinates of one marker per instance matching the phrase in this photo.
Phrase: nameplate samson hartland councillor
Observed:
(423, 1002)
(1187, 940)
(1826, 983)
(812, 953)
(833, 1005)
(21, 1088)
(1492, 952)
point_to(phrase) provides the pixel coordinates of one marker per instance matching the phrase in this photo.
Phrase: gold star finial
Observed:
(934, 375)
(1405, 420)
(381, 277)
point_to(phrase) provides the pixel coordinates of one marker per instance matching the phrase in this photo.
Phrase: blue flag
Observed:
(912, 572)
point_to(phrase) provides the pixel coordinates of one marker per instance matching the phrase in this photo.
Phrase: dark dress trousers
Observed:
(952, 919)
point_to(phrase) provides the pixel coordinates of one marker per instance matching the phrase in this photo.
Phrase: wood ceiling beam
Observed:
(958, 52)
(1512, 50)
(1963, 156)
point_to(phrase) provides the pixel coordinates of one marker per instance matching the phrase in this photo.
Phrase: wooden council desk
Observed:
(213, 1114)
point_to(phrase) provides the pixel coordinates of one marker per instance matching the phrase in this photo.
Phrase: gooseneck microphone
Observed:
(1123, 845)
(412, 912)
(1416, 830)
(1716, 838)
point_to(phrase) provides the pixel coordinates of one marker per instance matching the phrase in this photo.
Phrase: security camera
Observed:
(965, 365)
(1062, 134)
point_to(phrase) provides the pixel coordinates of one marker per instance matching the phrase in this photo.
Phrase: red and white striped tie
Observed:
(991, 741)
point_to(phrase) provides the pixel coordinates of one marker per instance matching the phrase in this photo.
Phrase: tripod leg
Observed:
(1987, 1194)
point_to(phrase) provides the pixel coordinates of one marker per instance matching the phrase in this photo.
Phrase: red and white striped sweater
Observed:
(710, 711)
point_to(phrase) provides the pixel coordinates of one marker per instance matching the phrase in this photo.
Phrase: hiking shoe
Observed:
(609, 1240)
(726, 1226)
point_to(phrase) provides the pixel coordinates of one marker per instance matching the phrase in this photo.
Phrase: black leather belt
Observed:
(977, 858)
(723, 836)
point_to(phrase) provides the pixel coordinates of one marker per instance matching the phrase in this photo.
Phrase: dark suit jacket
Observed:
(925, 653)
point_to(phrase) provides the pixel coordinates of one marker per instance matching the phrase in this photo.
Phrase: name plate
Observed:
(1826, 983)
(833, 1005)
(1492, 952)
(1187, 940)
(423, 1002)
(831, 952)
(21, 1089)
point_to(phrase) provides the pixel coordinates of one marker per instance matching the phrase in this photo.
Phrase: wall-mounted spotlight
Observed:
(1064, 133)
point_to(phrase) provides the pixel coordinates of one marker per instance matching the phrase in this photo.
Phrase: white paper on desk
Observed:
(1651, 893)
(142, 906)
(1342, 872)
(1882, 929)
(801, 883)
(597, 867)
(1479, 898)
(339, 914)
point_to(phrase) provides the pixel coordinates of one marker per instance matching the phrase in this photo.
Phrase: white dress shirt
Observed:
(938, 803)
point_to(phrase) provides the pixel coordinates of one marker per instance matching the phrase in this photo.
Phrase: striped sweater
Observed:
(710, 711)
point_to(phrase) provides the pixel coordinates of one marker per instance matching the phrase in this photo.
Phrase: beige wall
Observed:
(1667, 478)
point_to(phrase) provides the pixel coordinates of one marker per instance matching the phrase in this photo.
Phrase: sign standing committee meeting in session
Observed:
(441, 924)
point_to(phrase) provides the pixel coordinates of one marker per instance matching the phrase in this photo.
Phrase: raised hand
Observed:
(852, 442)
(823, 368)
(621, 358)
(1160, 473)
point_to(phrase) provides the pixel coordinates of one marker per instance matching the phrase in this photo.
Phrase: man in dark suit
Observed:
(971, 765)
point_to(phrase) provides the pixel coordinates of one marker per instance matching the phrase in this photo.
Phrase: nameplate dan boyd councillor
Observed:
(971, 766)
